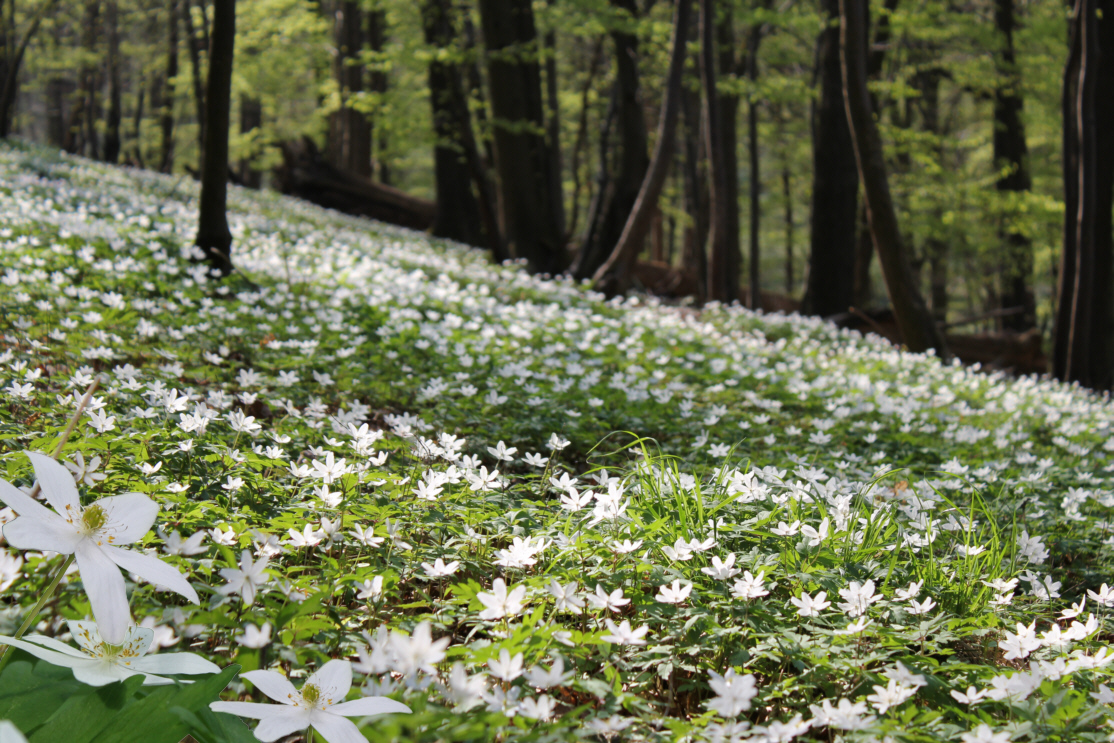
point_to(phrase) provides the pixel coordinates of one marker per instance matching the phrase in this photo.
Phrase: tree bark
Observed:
(458, 212)
(530, 206)
(918, 330)
(193, 45)
(349, 131)
(112, 122)
(12, 50)
(1083, 346)
(1011, 157)
(754, 38)
(787, 196)
(724, 259)
(614, 275)
(378, 83)
(165, 102)
(835, 184)
(696, 196)
(213, 235)
(618, 200)
(251, 120)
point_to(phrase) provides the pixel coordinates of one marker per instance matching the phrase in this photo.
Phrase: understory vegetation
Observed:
(528, 513)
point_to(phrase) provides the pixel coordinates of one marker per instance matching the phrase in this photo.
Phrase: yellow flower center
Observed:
(93, 518)
(311, 694)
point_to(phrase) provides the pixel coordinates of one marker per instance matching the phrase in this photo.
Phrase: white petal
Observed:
(333, 679)
(152, 569)
(54, 644)
(336, 729)
(368, 706)
(105, 588)
(24, 504)
(138, 641)
(100, 673)
(130, 516)
(9, 733)
(283, 722)
(174, 663)
(254, 710)
(53, 657)
(273, 684)
(49, 534)
(57, 484)
(86, 635)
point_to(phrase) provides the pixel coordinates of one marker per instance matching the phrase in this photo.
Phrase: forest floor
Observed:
(532, 514)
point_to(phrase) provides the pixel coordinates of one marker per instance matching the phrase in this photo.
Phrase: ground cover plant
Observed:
(515, 509)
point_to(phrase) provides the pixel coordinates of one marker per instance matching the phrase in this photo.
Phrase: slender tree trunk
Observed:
(137, 127)
(724, 258)
(582, 136)
(1083, 346)
(193, 44)
(378, 83)
(787, 195)
(349, 131)
(918, 330)
(614, 275)
(754, 38)
(213, 235)
(696, 196)
(56, 110)
(251, 120)
(165, 105)
(936, 248)
(1011, 157)
(634, 160)
(531, 208)
(112, 122)
(553, 127)
(458, 214)
(835, 185)
(13, 47)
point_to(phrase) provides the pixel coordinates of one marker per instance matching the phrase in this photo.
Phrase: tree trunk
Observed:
(251, 120)
(56, 90)
(112, 122)
(787, 194)
(12, 50)
(581, 143)
(81, 135)
(349, 130)
(553, 127)
(936, 247)
(696, 196)
(458, 213)
(614, 275)
(1083, 347)
(724, 258)
(754, 38)
(213, 235)
(918, 330)
(619, 199)
(165, 103)
(531, 208)
(193, 44)
(835, 185)
(137, 128)
(377, 83)
(1011, 157)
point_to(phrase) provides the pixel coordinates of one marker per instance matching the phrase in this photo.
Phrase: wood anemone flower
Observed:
(318, 704)
(91, 534)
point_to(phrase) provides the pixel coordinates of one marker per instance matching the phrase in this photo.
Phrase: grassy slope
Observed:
(713, 428)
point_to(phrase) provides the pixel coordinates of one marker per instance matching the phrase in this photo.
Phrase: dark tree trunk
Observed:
(918, 330)
(251, 120)
(12, 49)
(530, 206)
(697, 198)
(835, 185)
(1011, 157)
(56, 91)
(619, 198)
(349, 130)
(112, 122)
(458, 212)
(164, 102)
(213, 235)
(81, 135)
(936, 248)
(615, 274)
(193, 44)
(728, 107)
(724, 257)
(137, 126)
(553, 127)
(581, 143)
(377, 83)
(787, 195)
(1083, 346)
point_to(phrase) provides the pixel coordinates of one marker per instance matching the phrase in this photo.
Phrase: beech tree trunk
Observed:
(618, 200)
(213, 235)
(615, 274)
(194, 46)
(377, 83)
(835, 184)
(918, 330)
(112, 122)
(729, 104)
(1083, 346)
(530, 205)
(251, 120)
(349, 130)
(696, 196)
(724, 257)
(164, 102)
(13, 47)
(458, 211)
(1011, 156)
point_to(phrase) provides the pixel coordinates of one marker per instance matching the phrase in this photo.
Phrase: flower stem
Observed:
(38, 607)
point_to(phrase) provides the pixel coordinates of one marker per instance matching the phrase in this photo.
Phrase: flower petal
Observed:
(57, 484)
(54, 644)
(53, 657)
(101, 673)
(50, 534)
(130, 516)
(152, 569)
(173, 663)
(368, 706)
(282, 722)
(23, 504)
(105, 588)
(333, 679)
(274, 685)
(335, 729)
(253, 710)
